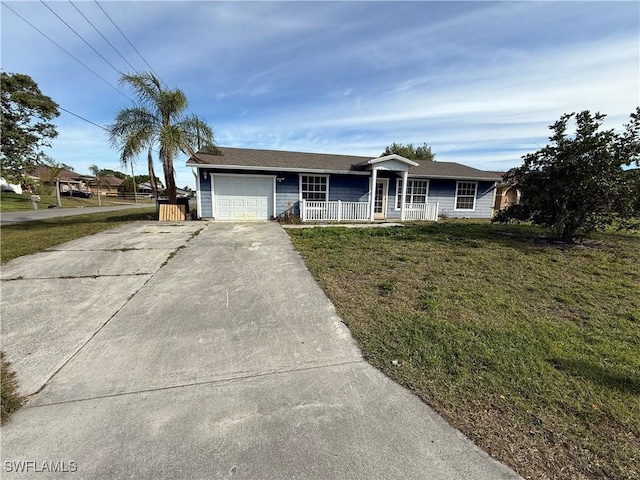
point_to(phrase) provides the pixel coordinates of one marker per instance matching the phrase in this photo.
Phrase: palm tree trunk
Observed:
(170, 180)
(152, 176)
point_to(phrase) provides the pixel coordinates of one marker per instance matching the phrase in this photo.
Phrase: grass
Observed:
(10, 401)
(12, 202)
(31, 237)
(529, 347)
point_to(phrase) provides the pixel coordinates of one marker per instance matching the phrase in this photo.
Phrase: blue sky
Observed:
(478, 81)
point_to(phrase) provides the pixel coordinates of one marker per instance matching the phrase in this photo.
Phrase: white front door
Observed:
(243, 197)
(380, 205)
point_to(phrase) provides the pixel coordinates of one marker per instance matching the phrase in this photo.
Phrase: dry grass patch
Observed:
(531, 348)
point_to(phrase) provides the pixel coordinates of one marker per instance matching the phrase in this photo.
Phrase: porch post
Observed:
(405, 176)
(372, 197)
(198, 187)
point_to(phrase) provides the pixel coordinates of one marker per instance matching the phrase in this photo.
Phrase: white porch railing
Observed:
(421, 211)
(340, 211)
(334, 211)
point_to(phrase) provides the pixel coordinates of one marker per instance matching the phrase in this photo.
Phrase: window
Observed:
(314, 187)
(417, 192)
(466, 195)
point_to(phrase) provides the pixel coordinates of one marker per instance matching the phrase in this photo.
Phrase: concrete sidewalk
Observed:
(204, 350)
(10, 218)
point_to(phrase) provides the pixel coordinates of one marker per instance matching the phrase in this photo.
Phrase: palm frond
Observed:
(158, 119)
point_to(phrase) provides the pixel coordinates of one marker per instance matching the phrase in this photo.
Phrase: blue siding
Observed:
(391, 199)
(355, 188)
(348, 188)
(205, 196)
(444, 192)
(287, 194)
(484, 200)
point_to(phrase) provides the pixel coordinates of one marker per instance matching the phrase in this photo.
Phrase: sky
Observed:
(480, 82)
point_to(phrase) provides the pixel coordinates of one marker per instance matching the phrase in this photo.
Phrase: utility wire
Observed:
(81, 38)
(100, 33)
(82, 118)
(129, 42)
(64, 50)
(93, 123)
(136, 50)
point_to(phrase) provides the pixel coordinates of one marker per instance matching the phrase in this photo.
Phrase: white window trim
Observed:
(300, 175)
(399, 190)
(475, 197)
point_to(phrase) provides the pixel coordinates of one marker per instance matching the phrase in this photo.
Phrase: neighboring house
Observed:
(145, 188)
(68, 179)
(108, 185)
(244, 184)
(507, 194)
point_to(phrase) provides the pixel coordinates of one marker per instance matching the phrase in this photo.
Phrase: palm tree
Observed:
(159, 119)
(95, 171)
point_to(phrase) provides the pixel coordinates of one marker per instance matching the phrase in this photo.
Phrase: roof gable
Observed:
(394, 158)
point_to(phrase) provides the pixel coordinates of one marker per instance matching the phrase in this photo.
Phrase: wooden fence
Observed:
(171, 213)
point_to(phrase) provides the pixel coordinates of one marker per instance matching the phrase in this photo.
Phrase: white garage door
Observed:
(243, 197)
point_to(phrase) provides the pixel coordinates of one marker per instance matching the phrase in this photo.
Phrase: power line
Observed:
(81, 38)
(132, 46)
(129, 42)
(92, 123)
(64, 50)
(100, 33)
(82, 118)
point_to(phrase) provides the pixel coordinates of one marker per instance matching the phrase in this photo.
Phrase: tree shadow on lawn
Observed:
(477, 234)
(598, 375)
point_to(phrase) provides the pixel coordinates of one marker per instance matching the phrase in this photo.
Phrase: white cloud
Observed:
(480, 82)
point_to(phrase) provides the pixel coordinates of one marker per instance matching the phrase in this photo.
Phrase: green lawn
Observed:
(31, 237)
(531, 348)
(12, 202)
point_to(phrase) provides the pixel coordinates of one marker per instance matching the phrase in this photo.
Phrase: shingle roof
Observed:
(111, 180)
(64, 175)
(245, 158)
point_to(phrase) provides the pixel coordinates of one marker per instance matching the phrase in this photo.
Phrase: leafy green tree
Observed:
(107, 172)
(577, 183)
(420, 154)
(25, 123)
(159, 119)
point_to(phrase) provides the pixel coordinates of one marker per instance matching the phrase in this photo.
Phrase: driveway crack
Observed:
(99, 329)
(228, 379)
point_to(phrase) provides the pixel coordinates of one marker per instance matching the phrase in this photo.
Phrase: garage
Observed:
(243, 197)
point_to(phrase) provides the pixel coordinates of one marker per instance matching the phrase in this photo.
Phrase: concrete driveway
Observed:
(199, 351)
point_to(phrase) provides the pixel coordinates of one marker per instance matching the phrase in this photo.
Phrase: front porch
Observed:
(390, 195)
(339, 211)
